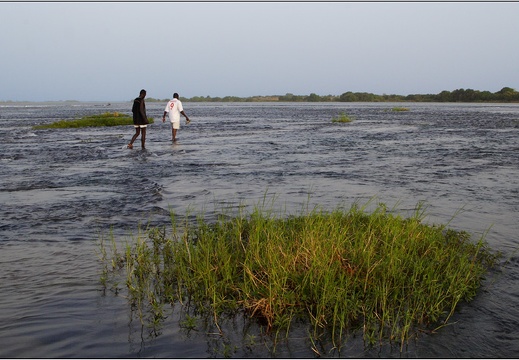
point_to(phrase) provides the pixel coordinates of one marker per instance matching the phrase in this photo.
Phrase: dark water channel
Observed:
(61, 188)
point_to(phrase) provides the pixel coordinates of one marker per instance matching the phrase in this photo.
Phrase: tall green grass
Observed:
(105, 119)
(341, 271)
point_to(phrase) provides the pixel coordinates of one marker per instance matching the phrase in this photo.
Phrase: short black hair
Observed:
(142, 92)
(175, 95)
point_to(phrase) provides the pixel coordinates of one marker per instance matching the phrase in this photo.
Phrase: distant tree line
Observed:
(506, 94)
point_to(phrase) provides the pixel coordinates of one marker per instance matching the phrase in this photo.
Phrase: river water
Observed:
(61, 189)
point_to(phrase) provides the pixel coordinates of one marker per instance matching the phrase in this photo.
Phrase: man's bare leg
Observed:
(143, 138)
(137, 132)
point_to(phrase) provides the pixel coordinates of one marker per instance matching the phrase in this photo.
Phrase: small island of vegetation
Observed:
(399, 109)
(340, 272)
(342, 118)
(106, 119)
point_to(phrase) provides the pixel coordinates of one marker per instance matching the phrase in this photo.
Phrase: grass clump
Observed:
(343, 271)
(398, 108)
(105, 119)
(342, 118)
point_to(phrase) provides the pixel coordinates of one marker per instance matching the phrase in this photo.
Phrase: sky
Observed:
(109, 51)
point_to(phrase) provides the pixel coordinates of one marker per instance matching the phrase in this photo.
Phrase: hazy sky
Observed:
(94, 51)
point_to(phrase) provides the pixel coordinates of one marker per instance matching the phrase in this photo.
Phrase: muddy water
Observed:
(61, 188)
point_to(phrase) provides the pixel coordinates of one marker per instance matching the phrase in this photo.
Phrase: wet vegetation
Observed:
(342, 118)
(340, 272)
(399, 108)
(105, 119)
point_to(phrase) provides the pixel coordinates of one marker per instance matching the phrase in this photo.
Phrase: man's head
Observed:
(175, 95)
(142, 93)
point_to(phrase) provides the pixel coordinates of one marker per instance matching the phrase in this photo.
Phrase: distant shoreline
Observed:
(505, 95)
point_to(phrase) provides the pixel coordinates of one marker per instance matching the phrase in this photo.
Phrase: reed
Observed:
(105, 119)
(343, 271)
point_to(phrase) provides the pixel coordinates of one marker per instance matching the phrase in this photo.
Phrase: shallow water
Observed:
(62, 188)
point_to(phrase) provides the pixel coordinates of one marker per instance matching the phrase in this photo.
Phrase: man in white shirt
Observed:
(174, 109)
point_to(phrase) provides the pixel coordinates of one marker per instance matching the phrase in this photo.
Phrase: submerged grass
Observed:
(105, 119)
(342, 271)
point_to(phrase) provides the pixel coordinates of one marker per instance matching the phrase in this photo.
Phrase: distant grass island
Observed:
(105, 119)
(505, 95)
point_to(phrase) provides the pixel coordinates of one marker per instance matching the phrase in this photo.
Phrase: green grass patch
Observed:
(377, 273)
(398, 108)
(106, 119)
(342, 118)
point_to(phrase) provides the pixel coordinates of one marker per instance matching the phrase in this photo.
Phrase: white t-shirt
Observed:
(173, 108)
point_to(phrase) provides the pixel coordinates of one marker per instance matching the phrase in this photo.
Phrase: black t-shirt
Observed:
(137, 116)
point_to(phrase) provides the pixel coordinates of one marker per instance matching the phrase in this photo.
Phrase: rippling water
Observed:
(61, 188)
